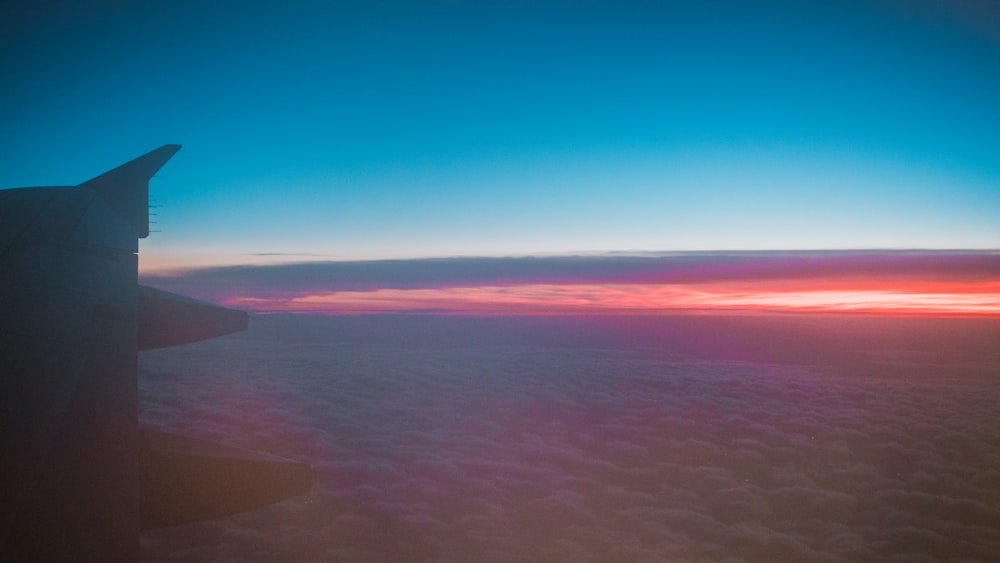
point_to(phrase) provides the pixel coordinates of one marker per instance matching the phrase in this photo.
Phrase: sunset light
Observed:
(970, 299)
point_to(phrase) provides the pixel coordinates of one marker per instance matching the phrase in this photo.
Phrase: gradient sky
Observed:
(371, 130)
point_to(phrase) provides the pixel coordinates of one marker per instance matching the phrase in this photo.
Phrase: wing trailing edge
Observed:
(184, 479)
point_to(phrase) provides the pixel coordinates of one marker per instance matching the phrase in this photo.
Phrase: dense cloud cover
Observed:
(687, 439)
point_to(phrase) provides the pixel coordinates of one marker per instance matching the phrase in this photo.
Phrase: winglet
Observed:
(126, 188)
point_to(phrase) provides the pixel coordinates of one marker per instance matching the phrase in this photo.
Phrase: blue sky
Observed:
(397, 130)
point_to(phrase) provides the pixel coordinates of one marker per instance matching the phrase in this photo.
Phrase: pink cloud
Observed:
(874, 297)
(926, 283)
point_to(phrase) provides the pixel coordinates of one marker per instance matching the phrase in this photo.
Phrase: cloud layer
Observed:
(924, 283)
(454, 439)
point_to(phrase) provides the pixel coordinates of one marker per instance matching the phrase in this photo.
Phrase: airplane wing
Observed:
(79, 478)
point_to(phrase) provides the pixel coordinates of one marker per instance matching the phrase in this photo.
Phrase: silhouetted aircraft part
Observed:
(183, 480)
(126, 188)
(167, 319)
(69, 335)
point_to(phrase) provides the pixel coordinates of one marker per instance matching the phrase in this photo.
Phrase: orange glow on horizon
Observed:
(898, 297)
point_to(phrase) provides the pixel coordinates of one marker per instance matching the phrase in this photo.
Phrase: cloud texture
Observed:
(457, 439)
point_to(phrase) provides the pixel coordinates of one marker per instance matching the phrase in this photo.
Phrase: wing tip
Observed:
(126, 187)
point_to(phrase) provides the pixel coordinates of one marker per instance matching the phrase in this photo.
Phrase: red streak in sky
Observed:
(895, 297)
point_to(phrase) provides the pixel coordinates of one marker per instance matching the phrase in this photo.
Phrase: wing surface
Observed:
(79, 478)
(69, 437)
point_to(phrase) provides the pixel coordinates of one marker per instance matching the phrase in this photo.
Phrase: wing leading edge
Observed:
(72, 317)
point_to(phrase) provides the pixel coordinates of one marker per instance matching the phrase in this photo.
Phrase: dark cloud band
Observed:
(666, 268)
